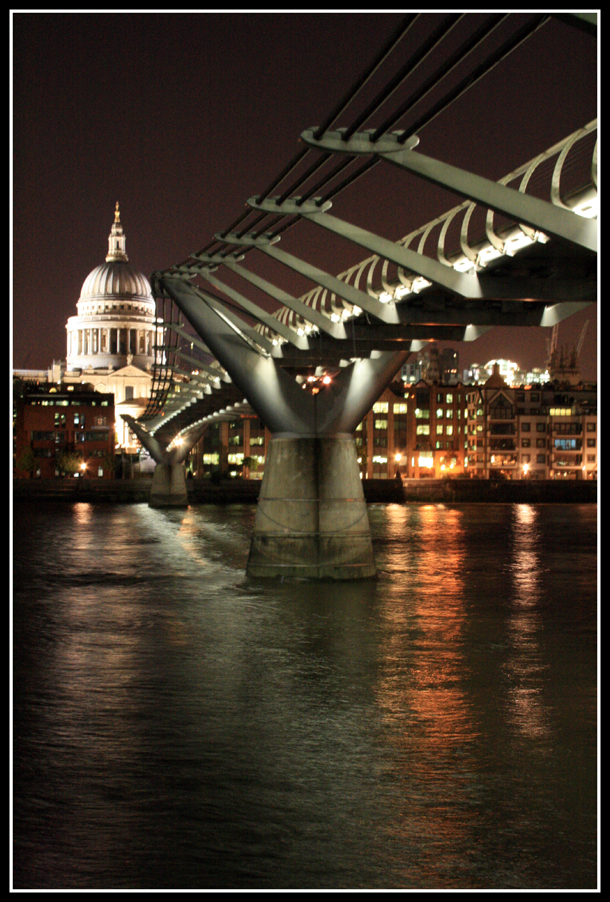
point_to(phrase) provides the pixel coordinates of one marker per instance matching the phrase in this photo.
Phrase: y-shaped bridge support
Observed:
(311, 520)
(169, 483)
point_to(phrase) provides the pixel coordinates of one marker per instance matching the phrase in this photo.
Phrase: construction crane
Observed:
(581, 339)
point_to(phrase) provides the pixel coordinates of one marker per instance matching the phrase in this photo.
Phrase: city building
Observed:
(478, 373)
(432, 365)
(64, 430)
(235, 448)
(437, 430)
(531, 432)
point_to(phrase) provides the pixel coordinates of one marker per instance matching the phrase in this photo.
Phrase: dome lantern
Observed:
(116, 240)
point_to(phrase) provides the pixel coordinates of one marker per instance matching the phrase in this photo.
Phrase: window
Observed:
(96, 436)
(501, 413)
(400, 408)
(380, 407)
(525, 427)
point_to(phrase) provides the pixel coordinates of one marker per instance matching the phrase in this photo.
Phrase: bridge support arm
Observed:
(152, 445)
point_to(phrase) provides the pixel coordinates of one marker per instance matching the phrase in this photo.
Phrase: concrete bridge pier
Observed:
(311, 521)
(168, 486)
(169, 479)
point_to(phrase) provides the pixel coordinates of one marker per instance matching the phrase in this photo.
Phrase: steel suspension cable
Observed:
(368, 74)
(437, 36)
(466, 48)
(470, 80)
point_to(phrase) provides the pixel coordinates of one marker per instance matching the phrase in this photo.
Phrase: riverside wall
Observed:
(376, 491)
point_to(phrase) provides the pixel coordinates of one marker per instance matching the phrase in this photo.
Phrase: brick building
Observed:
(63, 430)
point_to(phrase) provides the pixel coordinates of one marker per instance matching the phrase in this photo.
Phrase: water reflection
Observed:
(526, 666)
(181, 726)
(425, 692)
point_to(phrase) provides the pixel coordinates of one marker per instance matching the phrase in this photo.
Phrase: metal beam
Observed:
(307, 313)
(262, 316)
(355, 297)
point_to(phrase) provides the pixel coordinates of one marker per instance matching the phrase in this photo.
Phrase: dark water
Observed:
(179, 726)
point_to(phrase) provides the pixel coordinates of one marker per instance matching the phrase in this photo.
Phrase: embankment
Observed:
(376, 491)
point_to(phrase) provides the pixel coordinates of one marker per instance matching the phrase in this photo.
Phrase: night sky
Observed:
(182, 117)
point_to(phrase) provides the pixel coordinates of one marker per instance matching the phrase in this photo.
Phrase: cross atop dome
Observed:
(116, 239)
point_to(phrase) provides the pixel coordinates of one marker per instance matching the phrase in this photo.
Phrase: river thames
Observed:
(179, 726)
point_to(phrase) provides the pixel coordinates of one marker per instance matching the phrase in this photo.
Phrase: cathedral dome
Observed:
(116, 280)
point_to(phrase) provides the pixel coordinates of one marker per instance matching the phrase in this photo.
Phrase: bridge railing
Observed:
(468, 236)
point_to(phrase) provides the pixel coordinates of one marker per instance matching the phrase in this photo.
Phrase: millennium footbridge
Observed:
(521, 251)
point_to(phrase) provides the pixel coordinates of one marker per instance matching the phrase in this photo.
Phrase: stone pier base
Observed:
(311, 520)
(168, 486)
